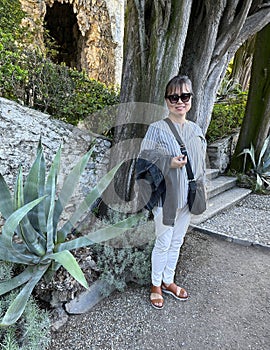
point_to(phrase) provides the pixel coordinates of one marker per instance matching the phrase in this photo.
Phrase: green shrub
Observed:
(32, 79)
(35, 81)
(11, 16)
(118, 266)
(126, 258)
(227, 117)
(33, 330)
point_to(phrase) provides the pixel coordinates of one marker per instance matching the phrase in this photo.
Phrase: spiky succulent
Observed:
(30, 235)
(261, 169)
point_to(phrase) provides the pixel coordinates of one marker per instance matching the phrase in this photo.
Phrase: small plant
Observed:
(31, 236)
(33, 329)
(227, 117)
(261, 169)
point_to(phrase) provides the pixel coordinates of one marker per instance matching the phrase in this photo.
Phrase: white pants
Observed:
(169, 240)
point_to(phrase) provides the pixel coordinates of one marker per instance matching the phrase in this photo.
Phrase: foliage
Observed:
(261, 169)
(33, 80)
(228, 113)
(31, 234)
(127, 258)
(121, 265)
(33, 329)
(11, 16)
(29, 76)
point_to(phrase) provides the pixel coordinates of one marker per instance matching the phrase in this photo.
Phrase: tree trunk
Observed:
(217, 29)
(256, 123)
(164, 38)
(155, 33)
(242, 63)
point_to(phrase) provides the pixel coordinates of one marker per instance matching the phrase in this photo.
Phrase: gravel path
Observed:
(229, 305)
(248, 221)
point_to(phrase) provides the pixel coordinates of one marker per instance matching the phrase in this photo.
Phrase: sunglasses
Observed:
(185, 97)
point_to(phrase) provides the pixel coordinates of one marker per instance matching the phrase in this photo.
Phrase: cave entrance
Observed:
(61, 23)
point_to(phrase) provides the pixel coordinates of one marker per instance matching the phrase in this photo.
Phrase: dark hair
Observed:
(176, 82)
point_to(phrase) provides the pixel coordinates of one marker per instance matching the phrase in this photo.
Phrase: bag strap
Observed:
(182, 147)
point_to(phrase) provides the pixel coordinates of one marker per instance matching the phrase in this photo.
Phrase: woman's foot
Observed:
(156, 297)
(176, 291)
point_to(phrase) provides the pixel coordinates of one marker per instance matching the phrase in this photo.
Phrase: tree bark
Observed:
(242, 63)
(217, 29)
(193, 37)
(256, 123)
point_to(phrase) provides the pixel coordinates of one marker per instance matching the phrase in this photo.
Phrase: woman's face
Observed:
(176, 105)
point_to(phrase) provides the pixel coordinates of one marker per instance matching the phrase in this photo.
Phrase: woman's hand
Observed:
(178, 162)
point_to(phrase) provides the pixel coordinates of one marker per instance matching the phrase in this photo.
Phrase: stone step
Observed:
(220, 184)
(212, 173)
(220, 202)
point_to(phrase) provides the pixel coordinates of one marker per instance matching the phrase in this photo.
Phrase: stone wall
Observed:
(101, 26)
(21, 129)
(220, 152)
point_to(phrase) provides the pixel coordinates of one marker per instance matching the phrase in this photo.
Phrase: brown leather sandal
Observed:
(176, 291)
(156, 297)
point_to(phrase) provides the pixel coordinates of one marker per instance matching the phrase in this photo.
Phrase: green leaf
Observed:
(87, 202)
(102, 234)
(18, 191)
(6, 205)
(53, 173)
(34, 188)
(50, 223)
(31, 237)
(14, 219)
(17, 281)
(17, 307)
(10, 226)
(14, 253)
(6, 239)
(69, 185)
(264, 148)
(67, 260)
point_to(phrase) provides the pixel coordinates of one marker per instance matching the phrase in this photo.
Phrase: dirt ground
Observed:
(228, 308)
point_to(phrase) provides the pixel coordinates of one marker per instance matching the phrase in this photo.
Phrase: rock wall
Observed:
(21, 129)
(220, 152)
(101, 26)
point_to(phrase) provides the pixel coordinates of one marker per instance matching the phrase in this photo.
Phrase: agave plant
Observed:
(31, 236)
(262, 167)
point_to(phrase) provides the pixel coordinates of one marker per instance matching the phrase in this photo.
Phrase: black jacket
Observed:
(156, 183)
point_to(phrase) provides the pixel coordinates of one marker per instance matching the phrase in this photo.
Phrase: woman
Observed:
(171, 226)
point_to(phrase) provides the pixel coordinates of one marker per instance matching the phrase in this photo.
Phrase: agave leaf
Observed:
(67, 260)
(251, 152)
(8, 231)
(259, 183)
(34, 188)
(6, 205)
(266, 179)
(17, 281)
(102, 234)
(14, 219)
(87, 202)
(30, 237)
(50, 224)
(18, 190)
(266, 166)
(14, 253)
(18, 196)
(264, 148)
(53, 173)
(25, 229)
(17, 307)
(69, 185)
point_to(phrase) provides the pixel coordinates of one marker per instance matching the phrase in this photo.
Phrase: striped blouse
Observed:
(159, 136)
